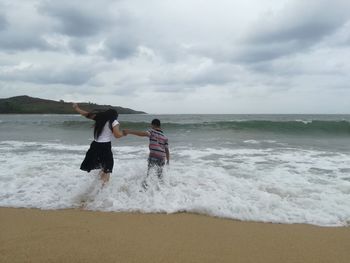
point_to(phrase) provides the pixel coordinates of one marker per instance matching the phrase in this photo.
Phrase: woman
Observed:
(100, 155)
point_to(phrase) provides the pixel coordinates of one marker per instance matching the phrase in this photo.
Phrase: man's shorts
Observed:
(155, 162)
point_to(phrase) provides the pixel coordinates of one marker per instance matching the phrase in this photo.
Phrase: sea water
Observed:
(266, 168)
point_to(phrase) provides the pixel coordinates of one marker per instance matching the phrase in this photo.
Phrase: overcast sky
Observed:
(183, 56)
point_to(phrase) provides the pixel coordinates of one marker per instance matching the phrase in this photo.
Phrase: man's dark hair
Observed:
(156, 123)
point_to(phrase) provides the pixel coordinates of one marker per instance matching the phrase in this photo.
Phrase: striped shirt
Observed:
(158, 142)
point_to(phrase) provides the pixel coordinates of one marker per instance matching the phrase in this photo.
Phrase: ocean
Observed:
(265, 168)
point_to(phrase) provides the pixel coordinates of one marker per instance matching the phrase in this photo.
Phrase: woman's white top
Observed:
(107, 134)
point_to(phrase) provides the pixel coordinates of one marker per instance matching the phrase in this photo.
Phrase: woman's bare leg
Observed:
(104, 177)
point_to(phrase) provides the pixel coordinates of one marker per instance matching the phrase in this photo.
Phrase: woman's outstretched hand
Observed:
(82, 112)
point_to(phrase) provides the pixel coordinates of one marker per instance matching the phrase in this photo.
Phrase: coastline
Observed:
(32, 235)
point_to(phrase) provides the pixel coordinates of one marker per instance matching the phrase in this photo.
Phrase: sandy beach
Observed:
(31, 235)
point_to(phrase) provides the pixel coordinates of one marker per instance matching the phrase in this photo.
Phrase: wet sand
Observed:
(31, 235)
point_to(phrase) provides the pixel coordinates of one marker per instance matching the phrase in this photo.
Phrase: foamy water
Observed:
(275, 183)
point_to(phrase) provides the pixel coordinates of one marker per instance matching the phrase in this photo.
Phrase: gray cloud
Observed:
(24, 28)
(77, 46)
(209, 74)
(93, 22)
(3, 22)
(69, 75)
(20, 28)
(11, 40)
(304, 29)
(120, 46)
(340, 39)
(296, 28)
(77, 20)
(65, 76)
(254, 53)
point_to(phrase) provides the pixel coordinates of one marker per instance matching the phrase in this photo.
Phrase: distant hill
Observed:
(26, 104)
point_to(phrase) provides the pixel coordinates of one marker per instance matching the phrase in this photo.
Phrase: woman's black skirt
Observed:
(99, 156)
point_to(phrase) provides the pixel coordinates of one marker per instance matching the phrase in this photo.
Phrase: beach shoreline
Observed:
(73, 235)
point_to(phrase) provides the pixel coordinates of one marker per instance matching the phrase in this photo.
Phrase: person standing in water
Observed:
(99, 155)
(158, 148)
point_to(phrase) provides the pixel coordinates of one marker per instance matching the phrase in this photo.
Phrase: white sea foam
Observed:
(304, 121)
(287, 185)
(251, 141)
(261, 141)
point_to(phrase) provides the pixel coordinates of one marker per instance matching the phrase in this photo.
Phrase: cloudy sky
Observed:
(183, 56)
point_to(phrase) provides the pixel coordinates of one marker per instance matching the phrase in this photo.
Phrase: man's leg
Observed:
(150, 167)
(159, 171)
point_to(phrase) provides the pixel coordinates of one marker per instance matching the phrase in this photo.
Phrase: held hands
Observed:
(125, 132)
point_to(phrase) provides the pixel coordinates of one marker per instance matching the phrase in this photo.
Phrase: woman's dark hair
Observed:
(101, 118)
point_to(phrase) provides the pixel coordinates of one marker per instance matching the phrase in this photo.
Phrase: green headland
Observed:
(29, 105)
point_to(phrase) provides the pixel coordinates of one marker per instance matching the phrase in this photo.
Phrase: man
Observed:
(158, 148)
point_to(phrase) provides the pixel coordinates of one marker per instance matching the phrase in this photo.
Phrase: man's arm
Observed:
(167, 154)
(82, 112)
(137, 133)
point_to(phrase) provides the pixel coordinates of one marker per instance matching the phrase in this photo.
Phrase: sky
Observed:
(184, 56)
